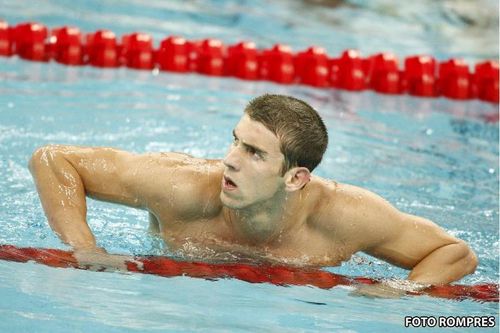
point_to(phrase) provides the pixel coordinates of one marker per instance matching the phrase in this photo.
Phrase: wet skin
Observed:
(244, 204)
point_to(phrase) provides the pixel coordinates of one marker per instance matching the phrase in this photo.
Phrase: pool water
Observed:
(435, 158)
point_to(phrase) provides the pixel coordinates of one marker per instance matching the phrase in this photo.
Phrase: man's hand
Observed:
(97, 259)
(388, 289)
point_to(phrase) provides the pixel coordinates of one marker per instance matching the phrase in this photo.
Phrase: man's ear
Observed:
(296, 178)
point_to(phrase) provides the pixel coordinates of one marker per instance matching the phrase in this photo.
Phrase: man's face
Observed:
(253, 166)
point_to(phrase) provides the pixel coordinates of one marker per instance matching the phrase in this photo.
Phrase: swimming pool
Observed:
(436, 158)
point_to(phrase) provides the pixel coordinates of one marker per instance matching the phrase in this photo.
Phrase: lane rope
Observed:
(422, 75)
(274, 274)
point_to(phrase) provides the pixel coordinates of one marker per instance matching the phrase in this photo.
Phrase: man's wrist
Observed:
(406, 285)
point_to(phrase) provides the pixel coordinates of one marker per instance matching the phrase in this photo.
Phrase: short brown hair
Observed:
(300, 129)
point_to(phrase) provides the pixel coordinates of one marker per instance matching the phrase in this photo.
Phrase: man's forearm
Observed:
(445, 264)
(62, 194)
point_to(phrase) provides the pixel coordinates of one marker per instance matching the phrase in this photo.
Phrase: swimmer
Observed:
(261, 198)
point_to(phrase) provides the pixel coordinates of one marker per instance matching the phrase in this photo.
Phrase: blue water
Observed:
(432, 157)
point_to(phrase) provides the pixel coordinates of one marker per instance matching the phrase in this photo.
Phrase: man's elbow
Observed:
(470, 260)
(446, 264)
(37, 158)
(465, 260)
(42, 156)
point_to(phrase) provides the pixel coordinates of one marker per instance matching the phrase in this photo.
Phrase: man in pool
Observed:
(261, 199)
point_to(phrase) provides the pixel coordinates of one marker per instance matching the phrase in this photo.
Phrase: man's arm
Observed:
(404, 240)
(415, 243)
(64, 175)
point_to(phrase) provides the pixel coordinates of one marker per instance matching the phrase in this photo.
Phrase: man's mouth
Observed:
(228, 184)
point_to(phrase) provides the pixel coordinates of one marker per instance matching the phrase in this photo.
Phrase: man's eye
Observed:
(254, 153)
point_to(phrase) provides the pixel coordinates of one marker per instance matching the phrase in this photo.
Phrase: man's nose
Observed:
(232, 159)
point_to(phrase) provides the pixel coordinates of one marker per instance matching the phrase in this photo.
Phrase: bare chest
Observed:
(212, 240)
(309, 248)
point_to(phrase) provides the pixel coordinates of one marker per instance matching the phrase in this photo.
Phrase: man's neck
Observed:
(264, 223)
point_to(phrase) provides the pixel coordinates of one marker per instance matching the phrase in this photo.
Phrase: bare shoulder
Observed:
(367, 221)
(349, 212)
(181, 184)
(344, 198)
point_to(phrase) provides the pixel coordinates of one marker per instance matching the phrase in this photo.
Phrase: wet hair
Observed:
(302, 134)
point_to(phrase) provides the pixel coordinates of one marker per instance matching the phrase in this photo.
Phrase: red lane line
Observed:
(278, 275)
(421, 76)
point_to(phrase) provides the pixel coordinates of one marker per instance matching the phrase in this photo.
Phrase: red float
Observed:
(454, 79)
(420, 74)
(210, 57)
(242, 61)
(137, 51)
(5, 40)
(347, 71)
(102, 50)
(311, 67)
(65, 46)
(29, 40)
(486, 81)
(276, 64)
(383, 73)
(173, 54)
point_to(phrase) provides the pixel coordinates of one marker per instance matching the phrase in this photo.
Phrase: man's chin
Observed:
(230, 202)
